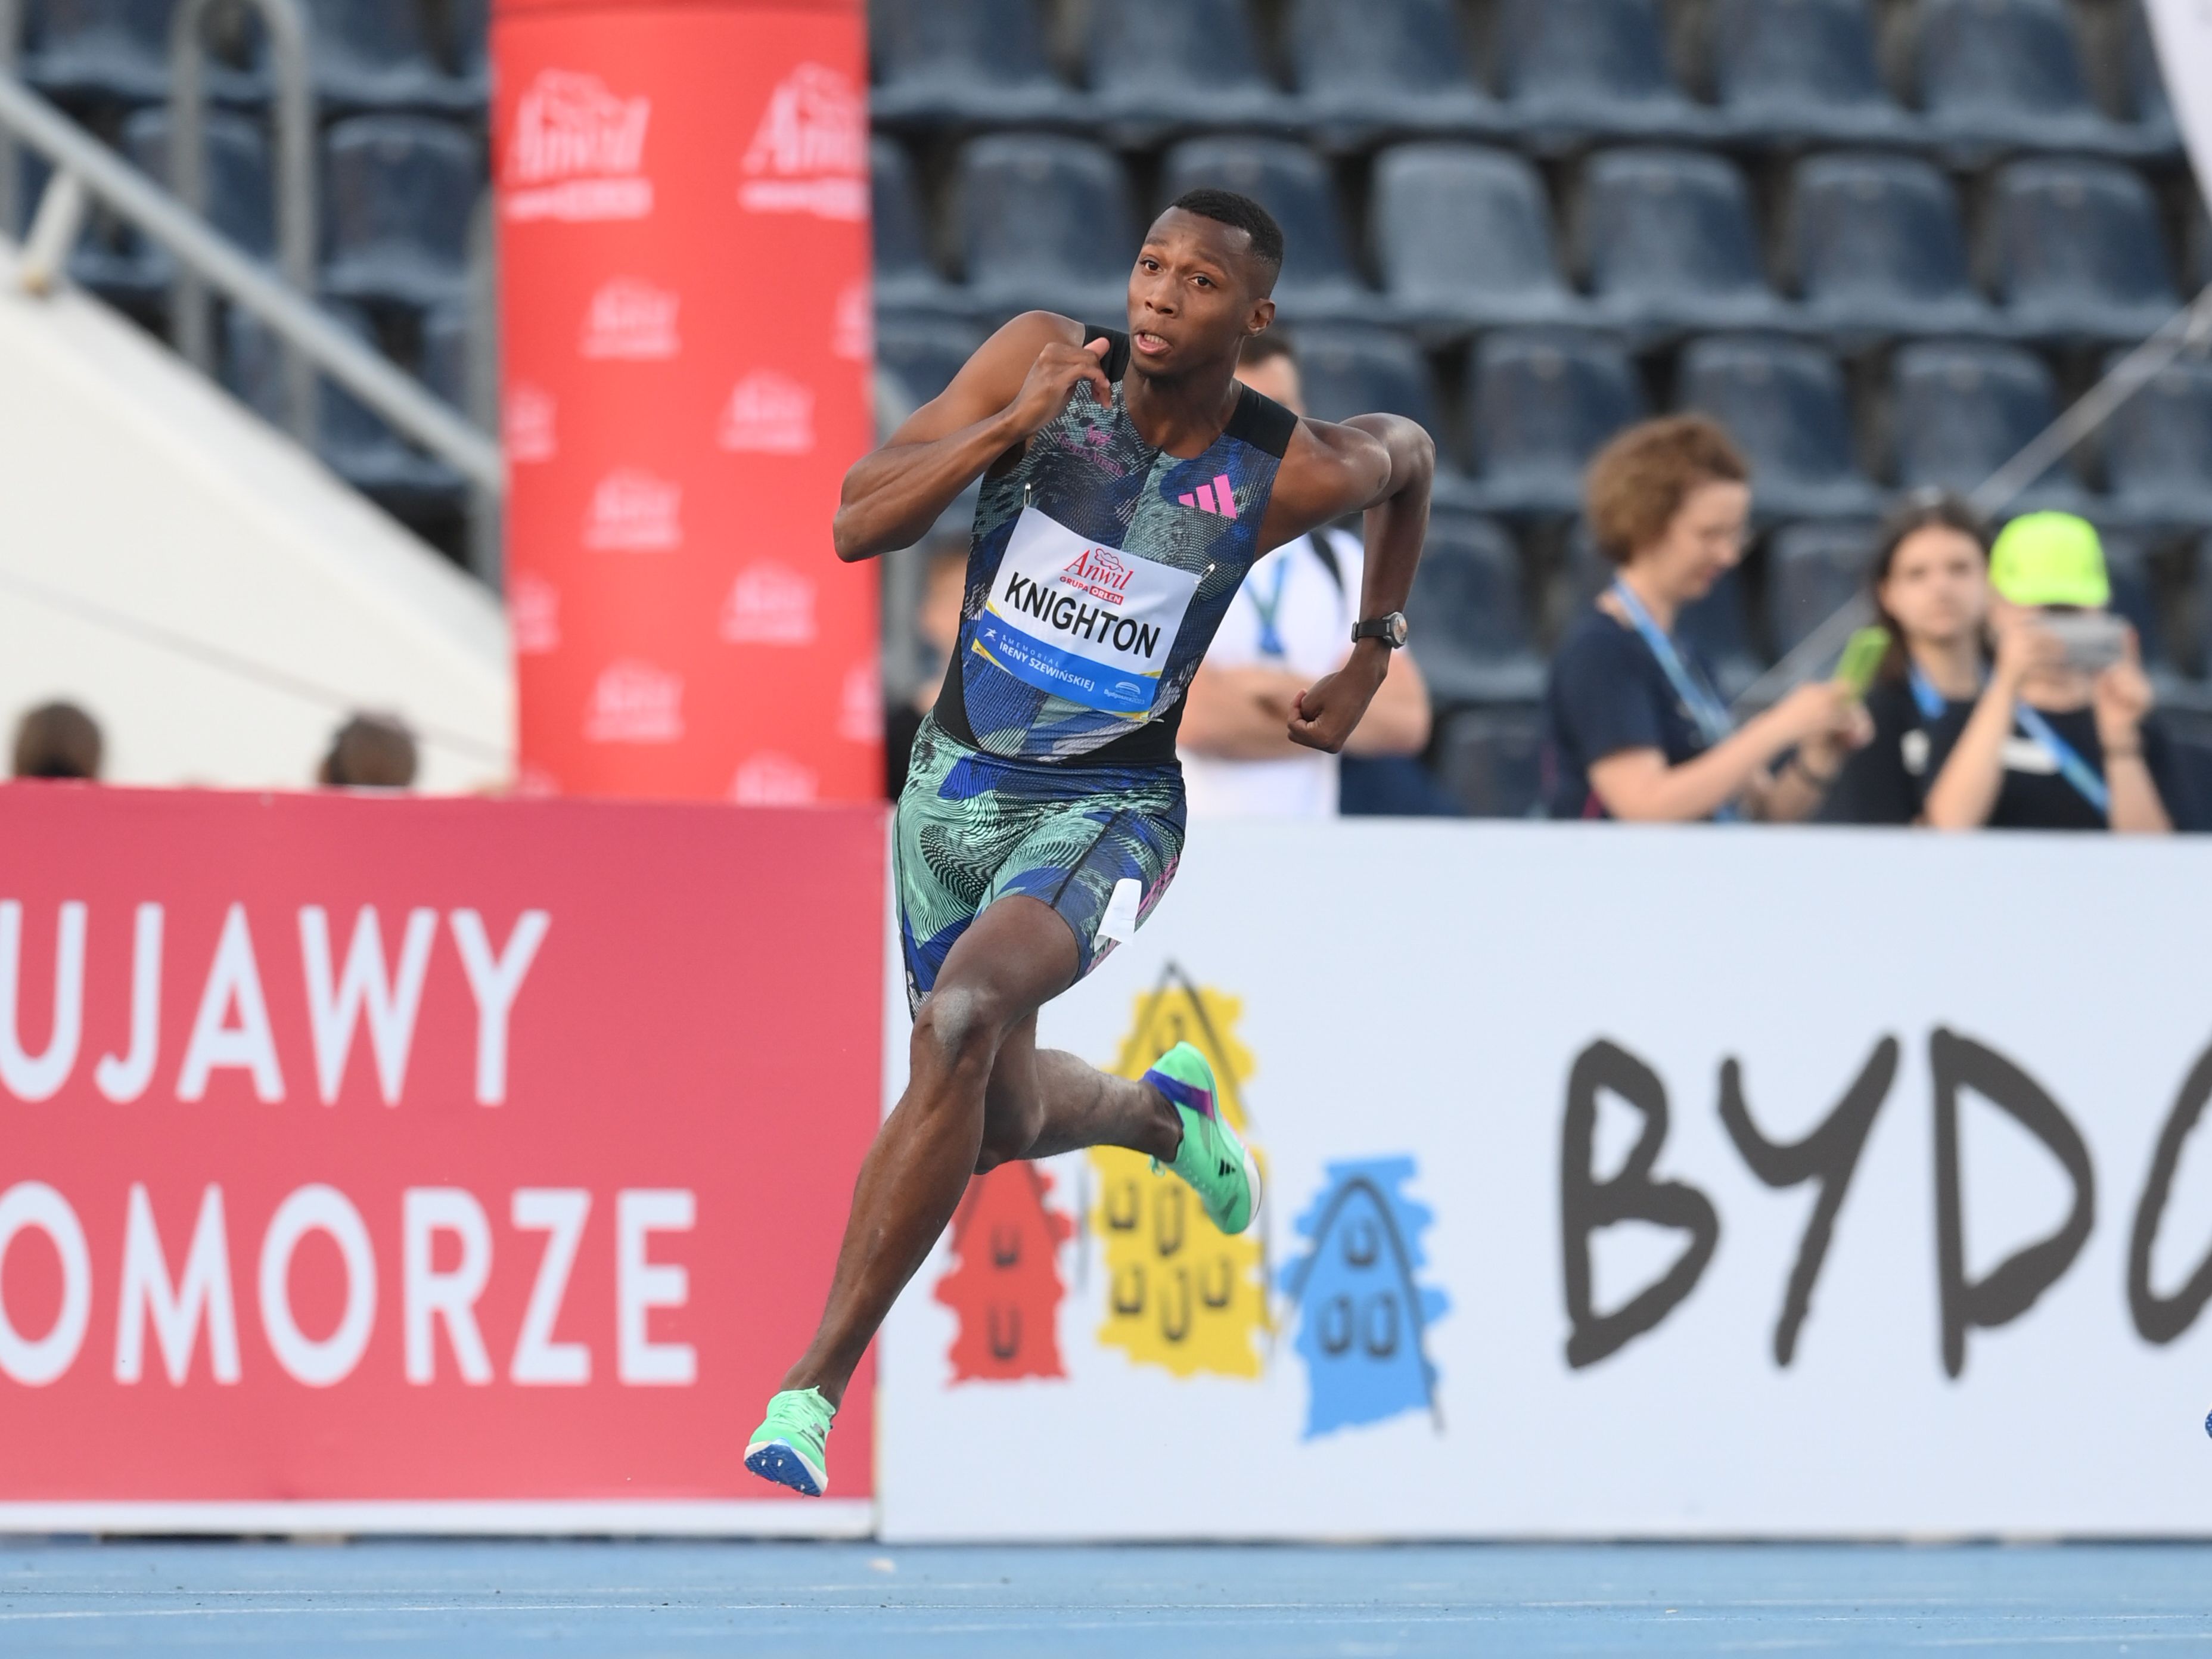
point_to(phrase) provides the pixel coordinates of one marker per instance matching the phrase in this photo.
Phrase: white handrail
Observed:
(298, 210)
(387, 390)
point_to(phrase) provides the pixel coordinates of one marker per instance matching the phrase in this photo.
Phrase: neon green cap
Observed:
(2050, 558)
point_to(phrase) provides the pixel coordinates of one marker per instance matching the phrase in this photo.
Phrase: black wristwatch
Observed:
(1390, 630)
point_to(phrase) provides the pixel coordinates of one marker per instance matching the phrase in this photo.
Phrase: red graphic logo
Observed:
(809, 152)
(854, 338)
(577, 153)
(1100, 572)
(1004, 1283)
(630, 320)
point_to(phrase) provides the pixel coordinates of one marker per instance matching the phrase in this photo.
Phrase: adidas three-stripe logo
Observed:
(1217, 497)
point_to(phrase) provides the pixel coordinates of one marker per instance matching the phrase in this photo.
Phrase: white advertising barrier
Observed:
(1620, 1181)
(2183, 30)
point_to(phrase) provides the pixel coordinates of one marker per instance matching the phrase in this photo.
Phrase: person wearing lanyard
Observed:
(1290, 623)
(1930, 583)
(1634, 728)
(2048, 746)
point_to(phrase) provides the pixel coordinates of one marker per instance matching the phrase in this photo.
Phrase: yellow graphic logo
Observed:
(1179, 1294)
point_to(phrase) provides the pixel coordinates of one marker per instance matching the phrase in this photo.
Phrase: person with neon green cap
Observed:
(2055, 741)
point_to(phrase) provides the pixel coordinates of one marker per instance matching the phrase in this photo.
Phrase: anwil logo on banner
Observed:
(533, 613)
(631, 321)
(861, 710)
(578, 152)
(768, 414)
(810, 154)
(528, 423)
(636, 703)
(774, 780)
(633, 511)
(854, 338)
(770, 605)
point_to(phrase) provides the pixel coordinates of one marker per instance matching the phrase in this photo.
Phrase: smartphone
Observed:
(1862, 658)
(2094, 640)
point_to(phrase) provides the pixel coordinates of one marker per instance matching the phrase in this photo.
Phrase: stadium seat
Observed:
(1462, 236)
(132, 270)
(1961, 411)
(1491, 761)
(1475, 642)
(1384, 67)
(1813, 570)
(353, 440)
(1667, 238)
(1785, 402)
(2198, 248)
(1878, 249)
(906, 277)
(104, 49)
(399, 193)
(920, 355)
(1572, 67)
(1795, 70)
(378, 55)
(1156, 65)
(2006, 74)
(2076, 251)
(2144, 83)
(2128, 564)
(2158, 447)
(1045, 222)
(1289, 181)
(964, 63)
(1347, 371)
(1540, 403)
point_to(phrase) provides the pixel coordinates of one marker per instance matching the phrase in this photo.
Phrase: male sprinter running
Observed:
(1129, 482)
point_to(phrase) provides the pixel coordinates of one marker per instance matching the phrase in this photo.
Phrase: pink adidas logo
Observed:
(1215, 497)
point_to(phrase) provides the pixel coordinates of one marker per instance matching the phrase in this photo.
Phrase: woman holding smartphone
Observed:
(2061, 737)
(1634, 727)
(2021, 742)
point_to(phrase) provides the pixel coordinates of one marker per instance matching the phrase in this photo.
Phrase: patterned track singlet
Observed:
(1099, 570)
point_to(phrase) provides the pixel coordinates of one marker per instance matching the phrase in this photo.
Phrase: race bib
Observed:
(1082, 620)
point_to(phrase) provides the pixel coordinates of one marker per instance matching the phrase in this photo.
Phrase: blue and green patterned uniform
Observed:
(1099, 570)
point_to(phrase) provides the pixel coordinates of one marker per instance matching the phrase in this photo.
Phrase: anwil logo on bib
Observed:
(1080, 619)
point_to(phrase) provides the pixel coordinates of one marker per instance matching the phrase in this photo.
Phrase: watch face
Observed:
(1397, 623)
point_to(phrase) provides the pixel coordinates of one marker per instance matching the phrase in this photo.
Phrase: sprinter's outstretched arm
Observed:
(1018, 380)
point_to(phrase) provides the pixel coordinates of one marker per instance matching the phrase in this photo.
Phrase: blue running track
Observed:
(429, 1600)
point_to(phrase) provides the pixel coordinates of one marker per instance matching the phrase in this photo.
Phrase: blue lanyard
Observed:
(1271, 641)
(2078, 772)
(2075, 770)
(1705, 705)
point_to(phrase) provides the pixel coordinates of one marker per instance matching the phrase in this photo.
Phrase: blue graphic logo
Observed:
(1363, 1314)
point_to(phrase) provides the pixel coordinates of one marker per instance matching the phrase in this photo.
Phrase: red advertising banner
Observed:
(688, 338)
(423, 1165)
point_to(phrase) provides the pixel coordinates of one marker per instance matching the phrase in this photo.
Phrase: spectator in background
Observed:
(370, 751)
(1289, 624)
(1930, 585)
(1634, 728)
(58, 740)
(937, 626)
(2048, 745)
